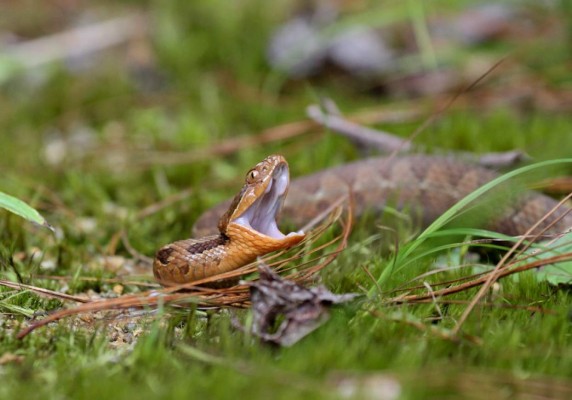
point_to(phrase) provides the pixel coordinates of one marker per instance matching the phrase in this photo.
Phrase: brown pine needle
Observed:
(481, 280)
(234, 296)
(499, 269)
(43, 292)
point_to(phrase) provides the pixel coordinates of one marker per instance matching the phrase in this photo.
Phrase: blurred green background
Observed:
(107, 108)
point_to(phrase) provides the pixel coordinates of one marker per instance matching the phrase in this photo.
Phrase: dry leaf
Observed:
(299, 309)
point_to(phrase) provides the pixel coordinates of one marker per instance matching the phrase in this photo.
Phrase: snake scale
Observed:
(424, 186)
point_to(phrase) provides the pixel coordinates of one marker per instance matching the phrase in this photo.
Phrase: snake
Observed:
(423, 186)
(247, 230)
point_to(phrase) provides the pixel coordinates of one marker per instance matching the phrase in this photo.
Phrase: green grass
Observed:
(216, 85)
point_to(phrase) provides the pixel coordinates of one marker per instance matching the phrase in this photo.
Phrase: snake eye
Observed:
(252, 175)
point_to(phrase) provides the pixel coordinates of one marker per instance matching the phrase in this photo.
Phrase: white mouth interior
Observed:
(261, 215)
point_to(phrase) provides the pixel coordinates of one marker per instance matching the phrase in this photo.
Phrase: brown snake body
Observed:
(246, 230)
(426, 186)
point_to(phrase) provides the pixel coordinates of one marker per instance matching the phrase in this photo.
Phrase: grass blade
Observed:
(18, 207)
(452, 212)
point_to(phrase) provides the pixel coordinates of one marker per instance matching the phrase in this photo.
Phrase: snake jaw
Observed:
(260, 216)
(248, 230)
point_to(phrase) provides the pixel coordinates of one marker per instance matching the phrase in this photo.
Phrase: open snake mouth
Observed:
(261, 215)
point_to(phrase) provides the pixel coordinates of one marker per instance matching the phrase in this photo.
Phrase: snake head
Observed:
(253, 212)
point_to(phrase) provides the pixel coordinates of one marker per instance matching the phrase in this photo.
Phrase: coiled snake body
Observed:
(246, 230)
(426, 186)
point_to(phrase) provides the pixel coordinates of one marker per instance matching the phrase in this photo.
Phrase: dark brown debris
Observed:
(299, 309)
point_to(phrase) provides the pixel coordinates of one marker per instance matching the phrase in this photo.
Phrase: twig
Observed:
(496, 273)
(43, 292)
(76, 42)
(502, 159)
(234, 296)
(481, 280)
(102, 280)
(365, 136)
(532, 309)
(134, 253)
(385, 142)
